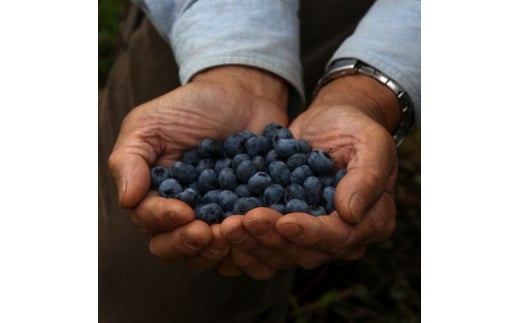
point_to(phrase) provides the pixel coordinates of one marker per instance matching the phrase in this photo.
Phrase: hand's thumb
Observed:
(131, 174)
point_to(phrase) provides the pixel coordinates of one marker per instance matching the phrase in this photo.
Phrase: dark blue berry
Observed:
(227, 200)
(210, 196)
(245, 204)
(279, 207)
(221, 164)
(303, 146)
(207, 181)
(280, 173)
(294, 191)
(259, 182)
(270, 130)
(339, 175)
(273, 194)
(190, 157)
(245, 170)
(227, 179)
(210, 148)
(242, 190)
(157, 175)
(246, 134)
(194, 186)
(320, 162)
(327, 180)
(272, 156)
(296, 205)
(189, 196)
(234, 144)
(312, 186)
(285, 147)
(296, 160)
(210, 213)
(238, 159)
(184, 173)
(282, 133)
(170, 188)
(317, 210)
(260, 163)
(300, 174)
(205, 163)
(327, 194)
(257, 145)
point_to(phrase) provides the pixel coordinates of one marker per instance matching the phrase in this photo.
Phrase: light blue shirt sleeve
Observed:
(389, 39)
(207, 33)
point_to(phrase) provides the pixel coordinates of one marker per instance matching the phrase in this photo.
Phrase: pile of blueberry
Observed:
(245, 171)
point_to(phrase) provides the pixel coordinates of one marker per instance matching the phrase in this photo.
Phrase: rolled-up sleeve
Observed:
(389, 38)
(208, 33)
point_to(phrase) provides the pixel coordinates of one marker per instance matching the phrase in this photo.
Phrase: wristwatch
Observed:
(351, 66)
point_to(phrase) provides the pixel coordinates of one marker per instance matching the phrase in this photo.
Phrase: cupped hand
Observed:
(351, 119)
(215, 104)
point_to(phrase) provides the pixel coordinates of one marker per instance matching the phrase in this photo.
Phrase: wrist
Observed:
(251, 80)
(363, 94)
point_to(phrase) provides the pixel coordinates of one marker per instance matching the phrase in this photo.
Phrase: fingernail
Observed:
(357, 207)
(291, 230)
(190, 242)
(259, 227)
(121, 188)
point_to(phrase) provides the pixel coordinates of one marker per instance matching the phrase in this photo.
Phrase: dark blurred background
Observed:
(385, 285)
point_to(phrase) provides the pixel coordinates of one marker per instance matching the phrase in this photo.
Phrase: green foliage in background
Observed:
(110, 13)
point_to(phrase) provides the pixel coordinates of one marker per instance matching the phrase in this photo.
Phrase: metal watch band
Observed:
(351, 66)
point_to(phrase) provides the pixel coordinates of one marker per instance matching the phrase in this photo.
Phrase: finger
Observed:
(213, 253)
(260, 223)
(157, 214)
(228, 268)
(233, 231)
(371, 170)
(328, 233)
(186, 241)
(260, 272)
(131, 173)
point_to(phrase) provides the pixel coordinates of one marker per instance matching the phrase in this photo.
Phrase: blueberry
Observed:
(260, 163)
(280, 173)
(227, 179)
(327, 180)
(194, 186)
(227, 200)
(279, 207)
(317, 210)
(221, 164)
(246, 134)
(339, 175)
(259, 182)
(257, 145)
(238, 159)
(303, 146)
(320, 162)
(210, 196)
(207, 181)
(285, 147)
(296, 205)
(245, 170)
(282, 133)
(327, 194)
(170, 188)
(210, 148)
(270, 130)
(296, 160)
(294, 191)
(273, 194)
(227, 214)
(210, 213)
(205, 163)
(312, 186)
(272, 156)
(190, 157)
(242, 190)
(300, 174)
(245, 204)
(234, 144)
(157, 175)
(189, 196)
(184, 173)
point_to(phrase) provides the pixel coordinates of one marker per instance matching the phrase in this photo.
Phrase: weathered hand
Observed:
(353, 127)
(216, 103)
